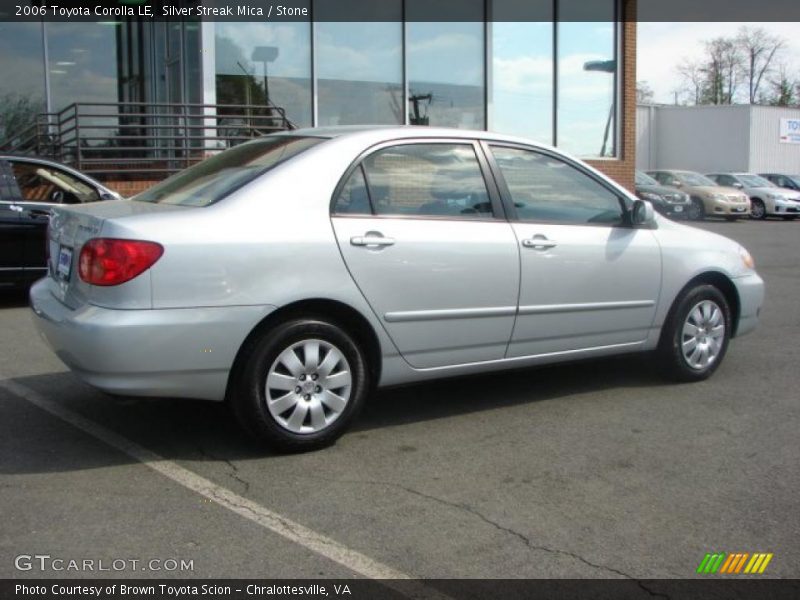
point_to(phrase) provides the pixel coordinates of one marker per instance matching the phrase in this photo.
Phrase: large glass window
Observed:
(544, 188)
(522, 69)
(587, 72)
(83, 63)
(436, 180)
(445, 64)
(360, 65)
(265, 64)
(22, 81)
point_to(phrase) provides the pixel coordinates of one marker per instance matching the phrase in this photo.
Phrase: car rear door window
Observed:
(428, 180)
(546, 189)
(353, 199)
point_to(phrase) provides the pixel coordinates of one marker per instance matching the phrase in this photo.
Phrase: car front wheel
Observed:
(695, 337)
(696, 210)
(301, 385)
(758, 210)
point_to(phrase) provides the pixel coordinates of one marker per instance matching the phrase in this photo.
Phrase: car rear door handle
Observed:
(38, 212)
(539, 242)
(371, 240)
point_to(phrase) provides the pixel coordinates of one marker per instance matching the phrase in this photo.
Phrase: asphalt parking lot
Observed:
(588, 470)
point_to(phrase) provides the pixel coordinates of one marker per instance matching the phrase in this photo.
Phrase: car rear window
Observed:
(214, 178)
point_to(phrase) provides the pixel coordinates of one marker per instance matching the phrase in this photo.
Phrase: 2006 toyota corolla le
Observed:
(293, 274)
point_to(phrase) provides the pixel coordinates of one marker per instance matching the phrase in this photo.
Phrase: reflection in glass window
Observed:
(265, 64)
(437, 180)
(547, 189)
(522, 78)
(587, 69)
(83, 63)
(445, 63)
(359, 64)
(22, 83)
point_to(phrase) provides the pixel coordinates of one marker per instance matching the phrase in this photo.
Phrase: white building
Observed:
(718, 138)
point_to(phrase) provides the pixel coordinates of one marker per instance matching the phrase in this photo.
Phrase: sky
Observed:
(662, 46)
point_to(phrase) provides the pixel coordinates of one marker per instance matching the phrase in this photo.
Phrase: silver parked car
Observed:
(766, 198)
(293, 274)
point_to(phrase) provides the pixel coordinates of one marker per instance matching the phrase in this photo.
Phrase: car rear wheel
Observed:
(696, 210)
(301, 385)
(695, 336)
(758, 210)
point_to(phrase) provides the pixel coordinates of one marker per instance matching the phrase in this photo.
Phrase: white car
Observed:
(766, 198)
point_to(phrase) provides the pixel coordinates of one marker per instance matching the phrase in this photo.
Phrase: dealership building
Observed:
(133, 100)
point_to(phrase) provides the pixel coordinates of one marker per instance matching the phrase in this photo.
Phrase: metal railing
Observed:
(143, 140)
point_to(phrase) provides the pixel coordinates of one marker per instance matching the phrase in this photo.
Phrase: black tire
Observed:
(248, 397)
(670, 358)
(758, 210)
(696, 210)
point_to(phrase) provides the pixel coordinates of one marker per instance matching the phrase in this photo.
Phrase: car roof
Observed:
(391, 132)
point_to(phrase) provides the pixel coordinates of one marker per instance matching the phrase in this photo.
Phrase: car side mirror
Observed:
(738, 185)
(643, 213)
(676, 183)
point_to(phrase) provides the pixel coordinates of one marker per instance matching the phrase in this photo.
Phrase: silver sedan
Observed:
(292, 275)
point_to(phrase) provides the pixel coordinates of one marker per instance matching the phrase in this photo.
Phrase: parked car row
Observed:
(679, 193)
(29, 189)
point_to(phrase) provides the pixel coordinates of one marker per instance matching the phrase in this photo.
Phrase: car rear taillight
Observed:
(106, 261)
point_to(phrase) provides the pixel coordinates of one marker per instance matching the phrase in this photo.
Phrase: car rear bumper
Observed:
(184, 353)
(751, 298)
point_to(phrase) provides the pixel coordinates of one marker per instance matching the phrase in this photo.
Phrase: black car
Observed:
(669, 201)
(29, 187)
(790, 182)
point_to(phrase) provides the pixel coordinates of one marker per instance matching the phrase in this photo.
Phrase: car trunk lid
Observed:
(70, 228)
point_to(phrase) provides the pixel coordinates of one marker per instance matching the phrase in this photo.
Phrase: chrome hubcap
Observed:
(308, 386)
(703, 334)
(757, 210)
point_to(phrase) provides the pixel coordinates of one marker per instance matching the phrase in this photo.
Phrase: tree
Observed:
(784, 90)
(721, 70)
(760, 49)
(692, 79)
(644, 93)
(17, 112)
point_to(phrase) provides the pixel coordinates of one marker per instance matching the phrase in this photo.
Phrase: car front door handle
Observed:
(539, 243)
(371, 240)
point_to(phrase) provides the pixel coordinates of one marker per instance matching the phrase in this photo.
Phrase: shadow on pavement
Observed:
(35, 442)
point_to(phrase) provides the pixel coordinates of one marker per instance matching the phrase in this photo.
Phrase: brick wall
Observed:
(129, 188)
(622, 169)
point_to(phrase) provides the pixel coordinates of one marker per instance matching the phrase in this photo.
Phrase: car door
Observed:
(12, 238)
(588, 280)
(426, 242)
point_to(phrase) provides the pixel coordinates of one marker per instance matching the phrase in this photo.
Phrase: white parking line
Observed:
(299, 534)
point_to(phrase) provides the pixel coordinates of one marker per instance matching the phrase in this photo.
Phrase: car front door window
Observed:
(44, 184)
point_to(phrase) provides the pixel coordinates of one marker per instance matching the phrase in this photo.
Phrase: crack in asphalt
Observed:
(520, 536)
(232, 471)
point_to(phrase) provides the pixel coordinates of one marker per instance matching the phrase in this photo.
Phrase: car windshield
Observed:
(689, 178)
(644, 179)
(755, 181)
(213, 179)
